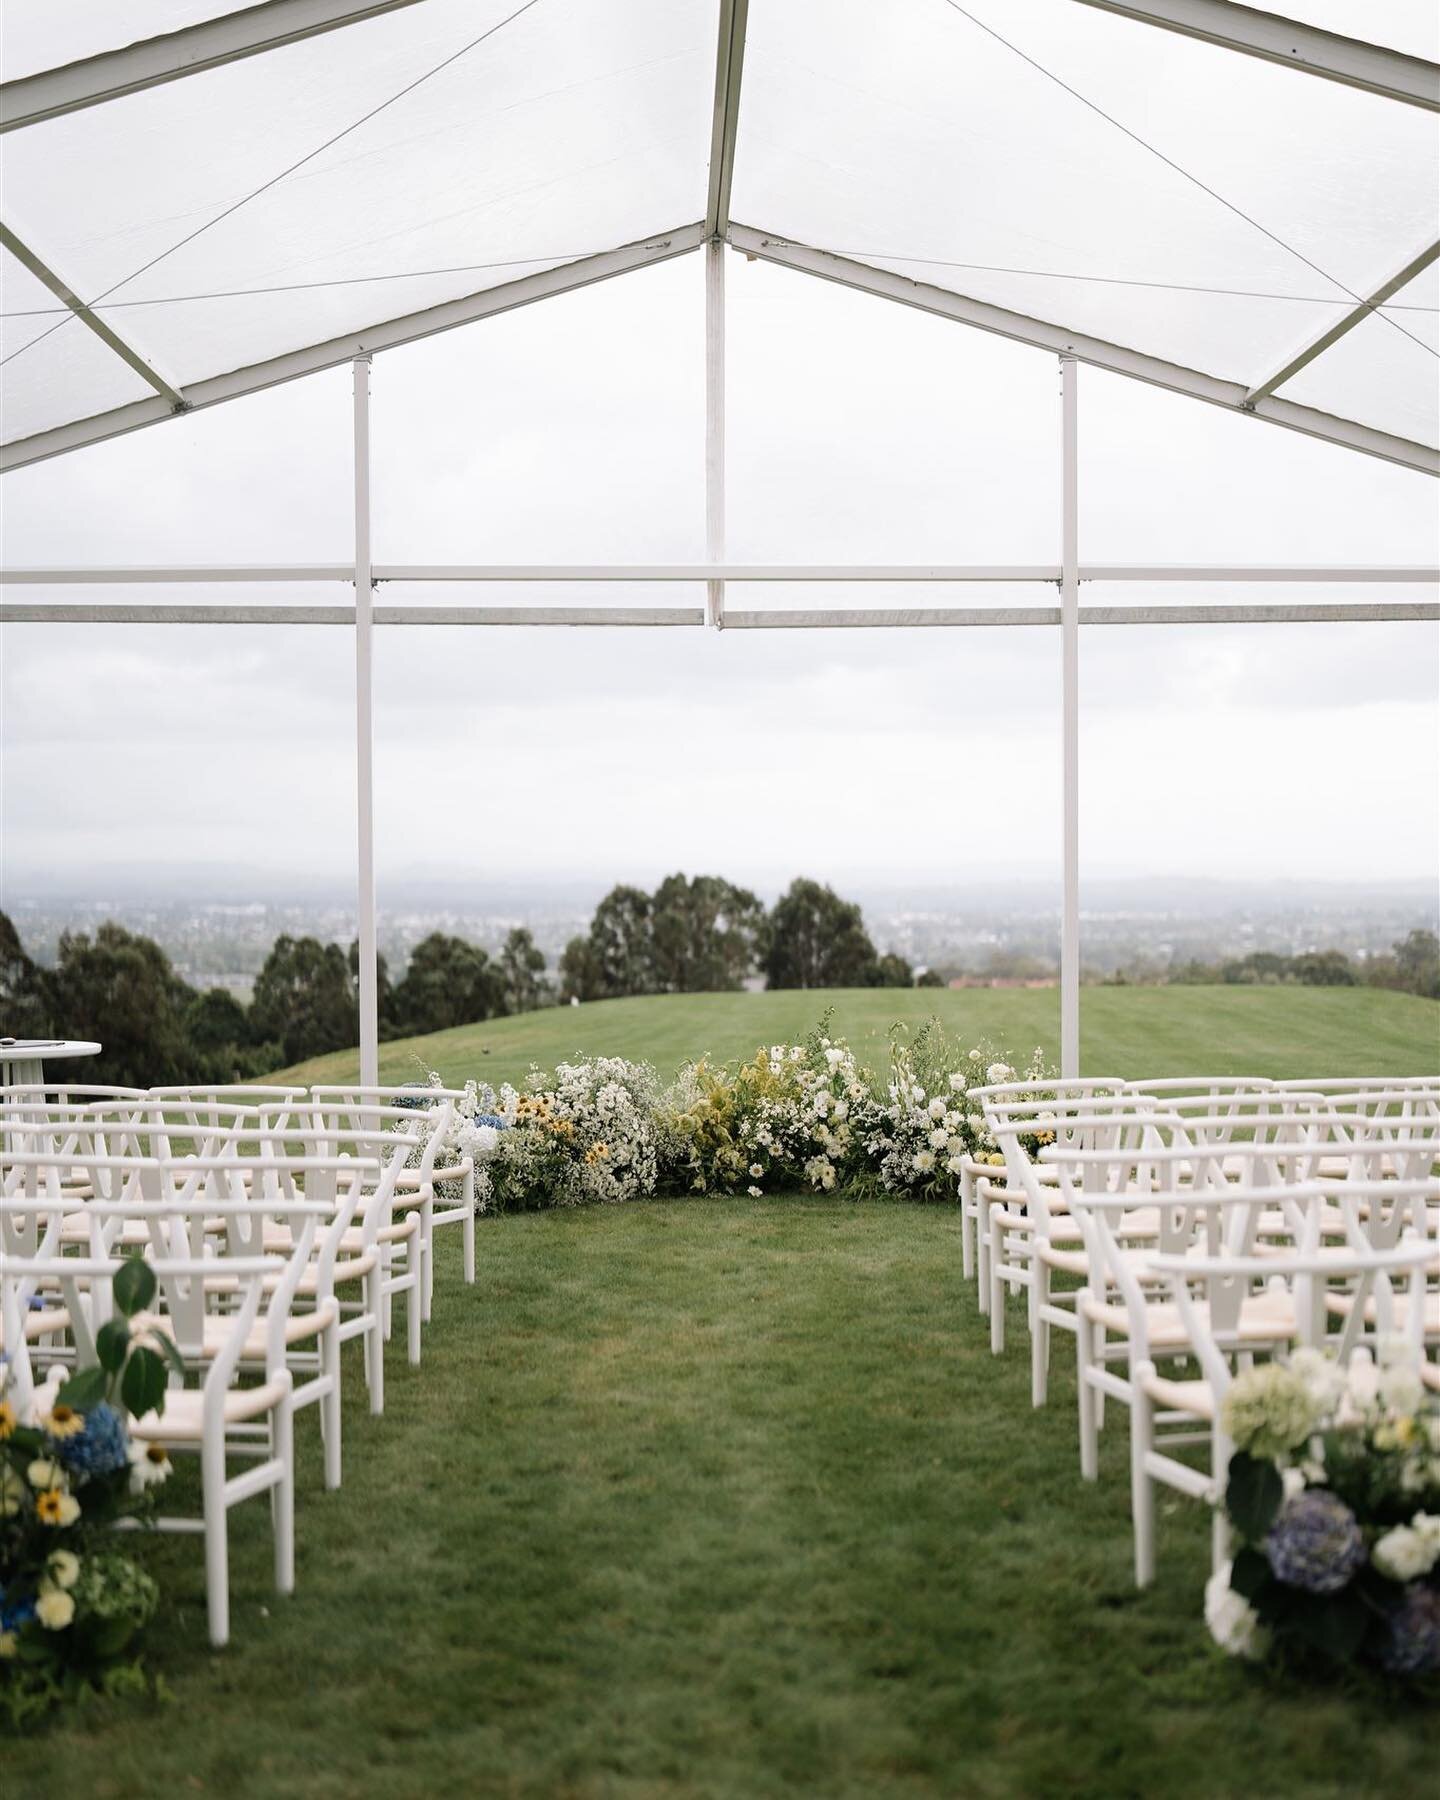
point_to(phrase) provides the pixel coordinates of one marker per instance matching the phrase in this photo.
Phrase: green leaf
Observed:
(1253, 1495)
(142, 1386)
(134, 1285)
(112, 1340)
(1333, 1624)
(168, 1348)
(83, 1390)
(1249, 1573)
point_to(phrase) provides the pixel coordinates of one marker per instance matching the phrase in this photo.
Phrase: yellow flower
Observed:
(63, 1422)
(55, 1609)
(8, 1421)
(55, 1507)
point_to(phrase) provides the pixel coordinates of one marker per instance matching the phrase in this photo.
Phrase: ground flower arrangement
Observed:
(1334, 1496)
(803, 1116)
(72, 1603)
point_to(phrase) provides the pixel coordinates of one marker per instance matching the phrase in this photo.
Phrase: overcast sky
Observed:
(858, 430)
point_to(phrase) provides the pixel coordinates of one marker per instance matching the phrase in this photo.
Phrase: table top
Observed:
(44, 1049)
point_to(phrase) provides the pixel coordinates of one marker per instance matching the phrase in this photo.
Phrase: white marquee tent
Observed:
(200, 203)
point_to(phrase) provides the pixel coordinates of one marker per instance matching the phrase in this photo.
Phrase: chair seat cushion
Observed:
(183, 1418)
(1264, 1318)
(1193, 1397)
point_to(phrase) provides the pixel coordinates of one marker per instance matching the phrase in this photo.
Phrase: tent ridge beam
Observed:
(729, 67)
(1351, 61)
(1118, 359)
(1355, 316)
(20, 249)
(51, 93)
(388, 334)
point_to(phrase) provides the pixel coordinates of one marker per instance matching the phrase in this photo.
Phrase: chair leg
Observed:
(967, 1226)
(414, 1311)
(375, 1337)
(1089, 1435)
(999, 1293)
(282, 1441)
(468, 1228)
(427, 1254)
(982, 1251)
(1142, 1487)
(217, 1548)
(387, 1266)
(1039, 1328)
(330, 1402)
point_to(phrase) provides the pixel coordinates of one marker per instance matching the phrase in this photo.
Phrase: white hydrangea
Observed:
(1405, 1553)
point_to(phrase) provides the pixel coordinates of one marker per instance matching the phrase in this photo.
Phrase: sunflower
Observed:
(56, 1507)
(8, 1421)
(63, 1422)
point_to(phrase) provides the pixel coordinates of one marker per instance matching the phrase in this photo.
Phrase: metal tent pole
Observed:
(715, 425)
(1070, 720)
(365, 735)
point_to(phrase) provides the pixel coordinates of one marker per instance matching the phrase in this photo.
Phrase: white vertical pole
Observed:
(1070, 719)
(715, 425)
(365, 735)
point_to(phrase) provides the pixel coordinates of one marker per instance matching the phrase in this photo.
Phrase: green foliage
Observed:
(305, 998)
(119, 989)
(522, 972)
(1253, 1492)
(448, 982)
(814, 939)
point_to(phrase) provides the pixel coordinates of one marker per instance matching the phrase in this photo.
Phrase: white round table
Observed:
(23, 1060)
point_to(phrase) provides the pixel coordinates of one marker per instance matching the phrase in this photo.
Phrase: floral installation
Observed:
(1334, 1496)
(806, 1115)
(929, 1125)
(70, 1606)
(794, 1115)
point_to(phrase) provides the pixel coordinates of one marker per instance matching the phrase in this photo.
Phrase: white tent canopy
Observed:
(209, 201)
(202, 202)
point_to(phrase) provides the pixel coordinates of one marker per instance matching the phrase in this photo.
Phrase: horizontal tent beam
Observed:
(1352, 61)
(52, 93)
(1364, 612)
(387, 335)
(197, 574)
(1042, 334)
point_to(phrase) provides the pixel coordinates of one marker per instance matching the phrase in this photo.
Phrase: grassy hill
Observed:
(1126, 1031)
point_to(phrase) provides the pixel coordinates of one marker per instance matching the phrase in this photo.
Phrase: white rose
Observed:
(1322, 1375)
(999, 1072)
(1362, 1381)
(1403, 1554)
(55, 1609)
(1234, 1623)
(63, 1568)
(1400, 1387)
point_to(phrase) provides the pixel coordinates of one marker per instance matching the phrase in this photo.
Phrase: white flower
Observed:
(755, 1193)
(936, 1108)
(998, 1072)
(43, 1473)
(834, 1058)
(1405, 1554)
(1234, 1623)
(1322, 1375)
(955, 1165)
(149, 1465)
(55, 1609)
(1399, 1383)
(1292, 1482)
(957, 1083)
(923, 1161)
(917, 1094)
(975, 1055)
(1362, 1381)
(756, 1171)
(939, 1138)
(63, 1568)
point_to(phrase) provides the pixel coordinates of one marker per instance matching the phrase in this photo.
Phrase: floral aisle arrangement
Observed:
(1334, 1496)
(929, 1124)
(804, 1115)
(795, 1115)
(71, 1604)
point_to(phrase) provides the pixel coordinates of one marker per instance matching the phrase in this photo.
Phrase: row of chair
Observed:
(1195, 1225)
(279, 1224)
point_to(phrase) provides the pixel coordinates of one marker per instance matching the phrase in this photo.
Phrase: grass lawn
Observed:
(715, 1498)
(1126, 1031)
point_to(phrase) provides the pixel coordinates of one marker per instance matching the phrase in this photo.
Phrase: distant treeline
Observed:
(1411, 967)
(692, 935)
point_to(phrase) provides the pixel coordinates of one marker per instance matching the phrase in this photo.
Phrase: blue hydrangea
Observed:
(18, 1613)
(491, 1119)
(100, 1448)
(1315, 1544)
(423, 1092)
(1412, 1646)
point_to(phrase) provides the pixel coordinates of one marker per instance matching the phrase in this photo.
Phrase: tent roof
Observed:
(201, 201)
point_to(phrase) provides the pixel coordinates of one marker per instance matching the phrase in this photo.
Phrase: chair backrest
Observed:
(1079, 1119)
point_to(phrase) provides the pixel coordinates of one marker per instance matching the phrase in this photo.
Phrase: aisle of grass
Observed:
(1127, 1031)
(714, 1499)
